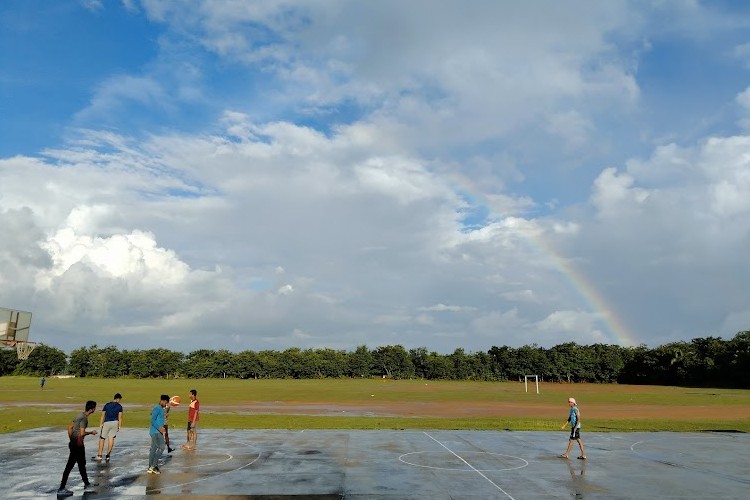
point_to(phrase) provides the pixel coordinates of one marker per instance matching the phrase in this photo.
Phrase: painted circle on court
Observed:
(478, 461)
(243, 462)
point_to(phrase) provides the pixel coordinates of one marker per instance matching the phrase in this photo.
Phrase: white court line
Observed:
(214, 475)
(471, 466)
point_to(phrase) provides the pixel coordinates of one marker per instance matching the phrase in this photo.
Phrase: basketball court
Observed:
(388, 464)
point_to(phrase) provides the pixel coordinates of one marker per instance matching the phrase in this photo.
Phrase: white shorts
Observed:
(109, 430)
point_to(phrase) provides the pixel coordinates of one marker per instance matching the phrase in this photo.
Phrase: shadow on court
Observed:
(388, 464)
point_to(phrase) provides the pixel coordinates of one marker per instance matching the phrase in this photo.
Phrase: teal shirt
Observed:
(157, 420)
(573, 418)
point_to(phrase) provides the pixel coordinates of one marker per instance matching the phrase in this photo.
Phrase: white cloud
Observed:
(124, 91)
(446, 308)
(520, 296)
(480, 176)
(576, 325)
(614, 192)
(571, 126)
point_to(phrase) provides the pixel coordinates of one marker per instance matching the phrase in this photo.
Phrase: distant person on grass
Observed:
(110, 423)
(42, 382)
(192, 425)
(156, 431)
(574, 418)
(76, 433)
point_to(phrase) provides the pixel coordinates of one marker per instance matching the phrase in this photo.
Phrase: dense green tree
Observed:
(438, 367)
(81, 363)
(394, 362)
(200, 364)
(481, 366)
(272, 365)
(361, 363)
(8, 361)
(709, 361)
(638, 367)
(736, 362)
(224, 364)
(562, 359)
(462, 369)
(610, 362)
(108, 362)
(530, 360)
(503, 361)
(154, 363)
(418, 358)
(332, 363)
(43, 361)
(248, 365)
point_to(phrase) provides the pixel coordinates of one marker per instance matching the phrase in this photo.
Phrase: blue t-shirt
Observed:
(157, 419)
(112, 411)
(574, 412)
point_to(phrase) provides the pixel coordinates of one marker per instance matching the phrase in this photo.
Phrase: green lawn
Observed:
(24, 406)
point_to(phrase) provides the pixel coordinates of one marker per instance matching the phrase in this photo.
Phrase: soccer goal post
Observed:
(526, 382)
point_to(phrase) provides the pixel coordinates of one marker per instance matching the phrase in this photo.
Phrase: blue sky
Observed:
(338, 173)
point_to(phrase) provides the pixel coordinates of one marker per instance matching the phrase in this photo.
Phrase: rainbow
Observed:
(583, 287)
(578, 282)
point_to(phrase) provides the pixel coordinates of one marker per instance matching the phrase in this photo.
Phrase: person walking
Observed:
(76, 434)
(574, 418)
(156, 431)
(192, 425)
(42, 382)
(110, 423)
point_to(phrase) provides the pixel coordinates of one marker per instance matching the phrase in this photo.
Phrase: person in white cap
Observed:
(574, 419)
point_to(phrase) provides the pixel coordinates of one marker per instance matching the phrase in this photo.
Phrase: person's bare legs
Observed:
(570, 447)
(101, 446)
(580, 445)
(193, 439)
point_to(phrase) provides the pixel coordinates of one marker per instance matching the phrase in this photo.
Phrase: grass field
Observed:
(380, 404)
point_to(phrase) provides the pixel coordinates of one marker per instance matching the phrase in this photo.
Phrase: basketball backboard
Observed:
(14, 331)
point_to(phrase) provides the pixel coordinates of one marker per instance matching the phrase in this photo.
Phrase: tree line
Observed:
(708, 362)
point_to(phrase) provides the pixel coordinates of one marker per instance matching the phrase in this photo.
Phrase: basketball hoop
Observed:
(14, 331)
(23, 349)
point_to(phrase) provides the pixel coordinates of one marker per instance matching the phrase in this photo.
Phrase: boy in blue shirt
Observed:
(574, 417)
(156, 430)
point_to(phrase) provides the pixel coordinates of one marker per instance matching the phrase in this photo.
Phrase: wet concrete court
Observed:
(390, 464)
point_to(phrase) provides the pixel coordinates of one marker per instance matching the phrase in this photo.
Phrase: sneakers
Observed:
(62, 493)
(97, 458)
(106, 459)
(170, 450)
(153, 470)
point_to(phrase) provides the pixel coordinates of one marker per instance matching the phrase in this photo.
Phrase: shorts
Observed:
(109, 430)
(191, 426)
(575, 434)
